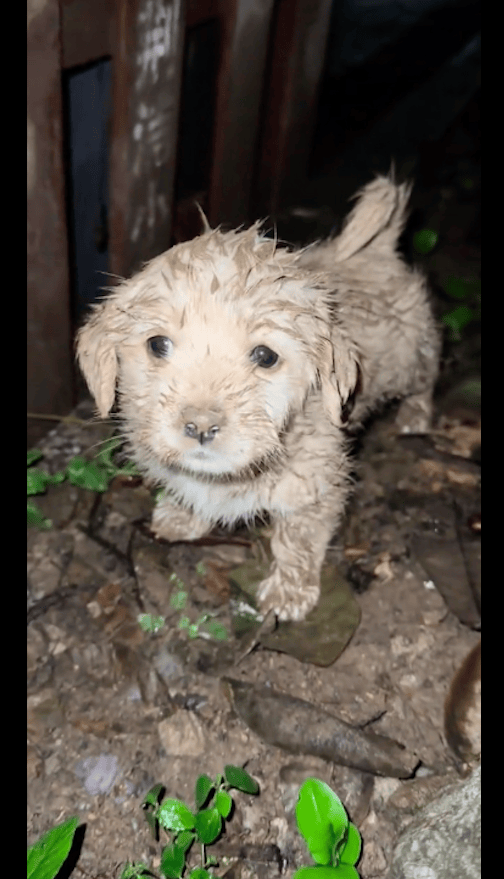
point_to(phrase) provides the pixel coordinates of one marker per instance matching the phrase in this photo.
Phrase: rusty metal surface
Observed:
(146, 95)
(245, 34)
(299, 48)
(49, 345)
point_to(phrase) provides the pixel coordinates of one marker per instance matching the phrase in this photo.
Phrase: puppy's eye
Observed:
(160, 346)
(264, 356)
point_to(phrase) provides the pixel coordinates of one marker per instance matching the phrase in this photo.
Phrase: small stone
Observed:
(182, 735)
(98, 774)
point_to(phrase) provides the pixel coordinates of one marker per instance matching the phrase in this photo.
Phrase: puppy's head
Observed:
(213, 346)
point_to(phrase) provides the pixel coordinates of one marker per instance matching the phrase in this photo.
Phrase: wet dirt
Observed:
(113, 710)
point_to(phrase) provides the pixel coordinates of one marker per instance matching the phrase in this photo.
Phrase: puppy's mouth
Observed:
(202, 466)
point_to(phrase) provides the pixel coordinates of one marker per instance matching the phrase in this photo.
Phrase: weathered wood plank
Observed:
(146, 94)
(49, 345)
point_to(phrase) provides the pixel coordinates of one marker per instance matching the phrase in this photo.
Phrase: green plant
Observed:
(94, 475)
(47, 855)
(425, 240)
(205, 626)
(466, 290)
(185, 826)
(332, 840)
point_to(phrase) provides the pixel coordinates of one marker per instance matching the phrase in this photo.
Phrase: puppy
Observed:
(236, 363)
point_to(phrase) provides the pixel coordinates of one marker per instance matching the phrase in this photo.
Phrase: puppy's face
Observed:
(214, 346)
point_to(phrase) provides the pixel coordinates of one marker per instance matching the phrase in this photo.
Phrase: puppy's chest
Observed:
(221, 502)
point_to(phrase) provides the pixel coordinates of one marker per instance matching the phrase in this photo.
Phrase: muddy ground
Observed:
(113, 710)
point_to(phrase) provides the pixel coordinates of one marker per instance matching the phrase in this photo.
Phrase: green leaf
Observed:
(36, 481)
(35, 516)
(178, 599)
(185, 840)
(321, 819)
(86, 474)
(208, 825)
(172, 861)
(342, 872)
(216, 630)
(47, 855)
(174, 815)
(33, 455)
(425, 240)
(154, 795)
(150, 623)
(350, 851)
(105, 456)
(457, 288)
(241, 780)
(204, 786)
(458, 318)
(135, 871)
(153, 824)
(223, 803)
(200, 873)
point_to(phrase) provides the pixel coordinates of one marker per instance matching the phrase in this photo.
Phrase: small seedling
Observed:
(424, 242)
(46, 856)
(148, 622)
(95, 475)
(203, 826)
(204, 626)
(37, 482)
(332, 840)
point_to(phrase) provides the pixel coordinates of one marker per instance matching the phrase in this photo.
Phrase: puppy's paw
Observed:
(175, 523)
(415, 414)
(286, 601)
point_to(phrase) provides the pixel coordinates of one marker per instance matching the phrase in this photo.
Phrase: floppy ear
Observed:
(339, 379)
(98, 360)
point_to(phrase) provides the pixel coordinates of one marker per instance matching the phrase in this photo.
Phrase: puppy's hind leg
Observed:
(173, 523)
(415, 413)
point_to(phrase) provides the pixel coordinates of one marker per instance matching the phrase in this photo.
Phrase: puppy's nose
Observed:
(202, 424)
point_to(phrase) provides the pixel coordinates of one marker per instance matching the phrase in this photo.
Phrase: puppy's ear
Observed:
(98, 361)
(339, 381)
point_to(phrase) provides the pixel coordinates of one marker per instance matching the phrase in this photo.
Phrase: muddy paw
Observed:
(286, 602)
(172, 523)
(415, 414)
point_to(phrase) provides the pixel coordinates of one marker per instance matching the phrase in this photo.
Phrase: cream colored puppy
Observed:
(236, 362)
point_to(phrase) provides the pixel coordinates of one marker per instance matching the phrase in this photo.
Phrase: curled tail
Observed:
(376, 221)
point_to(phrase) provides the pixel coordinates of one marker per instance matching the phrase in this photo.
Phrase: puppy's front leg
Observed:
(298, 543)
(172, 522)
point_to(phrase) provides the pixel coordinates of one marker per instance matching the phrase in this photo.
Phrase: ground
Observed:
(113, 710)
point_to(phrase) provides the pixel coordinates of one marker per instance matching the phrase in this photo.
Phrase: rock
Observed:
(98, 774)
(182, 735)
(444, 839)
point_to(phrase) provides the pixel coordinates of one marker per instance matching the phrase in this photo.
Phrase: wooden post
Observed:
(299, 46)
(49, 345)
(146, 78)
(246, 27)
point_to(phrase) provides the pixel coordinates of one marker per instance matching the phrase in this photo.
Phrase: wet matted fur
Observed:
(236, 361)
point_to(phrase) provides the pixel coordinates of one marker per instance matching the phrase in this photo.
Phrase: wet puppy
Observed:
(236, 362)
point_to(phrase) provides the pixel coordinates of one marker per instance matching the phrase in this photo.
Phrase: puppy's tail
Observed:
(376, 221)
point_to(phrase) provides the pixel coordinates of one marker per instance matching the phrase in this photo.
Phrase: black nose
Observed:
(203, 436)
